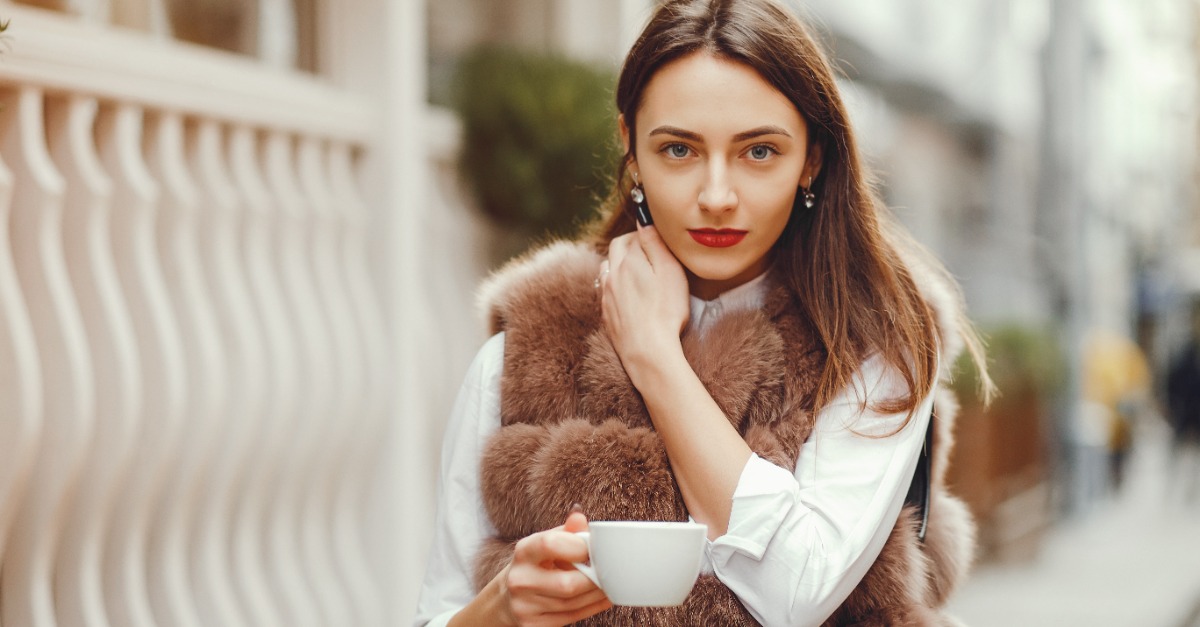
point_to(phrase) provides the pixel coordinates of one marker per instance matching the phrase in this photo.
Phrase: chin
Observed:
(721, 272)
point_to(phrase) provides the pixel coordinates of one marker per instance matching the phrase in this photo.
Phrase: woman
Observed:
(763, 359)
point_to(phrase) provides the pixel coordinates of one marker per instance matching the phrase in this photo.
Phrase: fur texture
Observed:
(575, 430)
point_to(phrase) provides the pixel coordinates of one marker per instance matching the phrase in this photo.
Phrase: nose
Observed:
(718, 194)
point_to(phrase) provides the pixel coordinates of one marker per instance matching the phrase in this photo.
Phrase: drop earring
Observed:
(810, 199)
(638, 196)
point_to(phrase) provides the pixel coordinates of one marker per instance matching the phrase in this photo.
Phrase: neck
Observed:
(709, 289)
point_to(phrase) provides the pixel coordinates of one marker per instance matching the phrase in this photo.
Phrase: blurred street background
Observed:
(1046, 150)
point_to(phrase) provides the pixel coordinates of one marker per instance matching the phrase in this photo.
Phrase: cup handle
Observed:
(586, 569)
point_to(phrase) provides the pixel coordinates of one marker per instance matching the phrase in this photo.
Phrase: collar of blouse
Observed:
(749, 295)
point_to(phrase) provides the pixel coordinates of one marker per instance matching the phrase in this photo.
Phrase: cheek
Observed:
(774, 209)
(670, 200)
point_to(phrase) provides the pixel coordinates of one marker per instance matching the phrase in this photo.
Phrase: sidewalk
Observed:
(1132, 561)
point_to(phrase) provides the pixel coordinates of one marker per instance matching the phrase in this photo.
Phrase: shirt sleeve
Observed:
(461, 523)
(798, 544)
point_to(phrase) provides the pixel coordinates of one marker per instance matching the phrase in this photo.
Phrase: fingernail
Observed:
(576, 509)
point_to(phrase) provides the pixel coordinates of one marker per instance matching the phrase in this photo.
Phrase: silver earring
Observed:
(636, 192)
(810, 199)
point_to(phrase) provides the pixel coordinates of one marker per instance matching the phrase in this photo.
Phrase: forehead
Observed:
(712, 95)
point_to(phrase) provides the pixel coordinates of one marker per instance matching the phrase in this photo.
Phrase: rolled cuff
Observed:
(763, 499)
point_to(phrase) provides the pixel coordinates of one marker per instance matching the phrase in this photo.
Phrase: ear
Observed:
(812, 162)
(624, 130)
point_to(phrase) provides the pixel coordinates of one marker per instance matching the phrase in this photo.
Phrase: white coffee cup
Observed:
(644, 564)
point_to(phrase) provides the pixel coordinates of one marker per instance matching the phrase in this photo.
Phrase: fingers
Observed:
(602, 277)
(542, 611)
(566, 618)
(625, 253)
(543, 585)
(644, 301)
(550, 546)
(654, 247)
(618, 248)
(576, 521)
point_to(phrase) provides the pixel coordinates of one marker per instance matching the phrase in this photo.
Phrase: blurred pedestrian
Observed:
(1183, 408)
(1117, 381)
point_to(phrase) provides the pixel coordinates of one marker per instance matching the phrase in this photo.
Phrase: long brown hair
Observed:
(842, 258)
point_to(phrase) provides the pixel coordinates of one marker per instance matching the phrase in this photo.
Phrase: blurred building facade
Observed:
(1003, 130)
(1047, 153)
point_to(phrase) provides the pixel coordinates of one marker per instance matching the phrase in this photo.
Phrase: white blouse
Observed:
(796, 545)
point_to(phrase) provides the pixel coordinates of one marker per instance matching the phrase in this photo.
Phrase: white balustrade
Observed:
(136, 203)
(285, 397)
(20, 371)
(242, 337)
(294, 259)
(68, 407)
(346, 422)
(193, 362)
(177, 239)
(373, 356)
(115, 365)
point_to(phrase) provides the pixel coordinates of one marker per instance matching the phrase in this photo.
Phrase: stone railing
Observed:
(193, 385)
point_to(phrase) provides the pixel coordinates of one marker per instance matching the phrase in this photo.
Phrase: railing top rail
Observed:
(63, 54)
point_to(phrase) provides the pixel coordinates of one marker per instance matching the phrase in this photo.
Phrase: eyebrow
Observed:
(742, 136)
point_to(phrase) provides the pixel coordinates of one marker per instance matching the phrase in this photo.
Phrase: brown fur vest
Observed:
(575, 430)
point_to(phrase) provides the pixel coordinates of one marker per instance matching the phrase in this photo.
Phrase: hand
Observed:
(644, 297)
(541, 586)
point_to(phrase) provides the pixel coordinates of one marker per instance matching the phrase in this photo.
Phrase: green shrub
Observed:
(539, 141)
(1021, 360)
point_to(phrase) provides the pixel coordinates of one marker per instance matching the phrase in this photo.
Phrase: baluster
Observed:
(235, 594)
(135, 206)
(114, 359)
(20, 370)
(170, 588)
(372, 339)
(309, 449)
(344, 424)
(279, 418)
(67, 385)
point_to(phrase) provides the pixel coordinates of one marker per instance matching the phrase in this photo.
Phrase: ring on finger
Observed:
(603, 273)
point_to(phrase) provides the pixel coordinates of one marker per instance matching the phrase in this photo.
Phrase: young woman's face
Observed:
(721, 154)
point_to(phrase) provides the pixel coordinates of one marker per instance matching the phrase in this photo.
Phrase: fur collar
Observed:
(565, 262)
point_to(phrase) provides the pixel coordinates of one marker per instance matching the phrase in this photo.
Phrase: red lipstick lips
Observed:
(717, 238)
